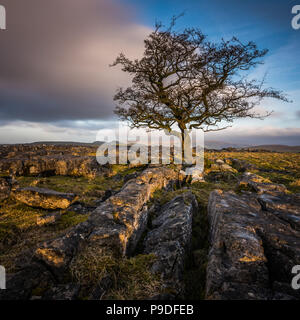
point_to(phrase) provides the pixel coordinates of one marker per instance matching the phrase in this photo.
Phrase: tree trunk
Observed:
(182, 145)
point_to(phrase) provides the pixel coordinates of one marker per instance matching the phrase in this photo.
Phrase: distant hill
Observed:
(276, 148)
(66, 143)
(212, 144)
(209, 144)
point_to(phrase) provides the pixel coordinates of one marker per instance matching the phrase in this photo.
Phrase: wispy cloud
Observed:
(55, 58)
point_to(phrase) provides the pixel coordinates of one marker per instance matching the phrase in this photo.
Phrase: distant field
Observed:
(276, 148)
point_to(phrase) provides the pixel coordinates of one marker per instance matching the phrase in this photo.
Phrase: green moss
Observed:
(282, 168)
(163, 196)
(19, 230)
(70, 219)
(87, 189)
(124, 170)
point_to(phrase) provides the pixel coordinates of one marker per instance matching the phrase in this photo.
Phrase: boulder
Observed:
(252, 246)
(285, 206)
(67, 291)
(241, 165)
(260, 184)
(44, 198)
(169, 240)
(6, 185)
(219, 162)
(221, 166)
(50, 218)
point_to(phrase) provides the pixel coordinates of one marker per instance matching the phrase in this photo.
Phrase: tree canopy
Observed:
(185, 80)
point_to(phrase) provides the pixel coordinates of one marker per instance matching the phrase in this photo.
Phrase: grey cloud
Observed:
(298, 114)
(257, 136)
(55, 56)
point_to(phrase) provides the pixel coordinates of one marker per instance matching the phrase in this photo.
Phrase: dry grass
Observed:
(131, 277)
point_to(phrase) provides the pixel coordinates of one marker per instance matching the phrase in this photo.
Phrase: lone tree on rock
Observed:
(185, 80)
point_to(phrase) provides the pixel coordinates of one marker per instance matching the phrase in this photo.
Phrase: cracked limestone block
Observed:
(170, 238)
(253, 246)
(44, 198)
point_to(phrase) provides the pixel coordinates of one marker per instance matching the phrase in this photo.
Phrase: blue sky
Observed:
(55, 82)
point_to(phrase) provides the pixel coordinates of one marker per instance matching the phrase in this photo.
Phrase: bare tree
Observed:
(185, 80)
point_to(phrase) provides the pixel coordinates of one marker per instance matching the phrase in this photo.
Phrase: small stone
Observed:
(219, 162)
(50, 218)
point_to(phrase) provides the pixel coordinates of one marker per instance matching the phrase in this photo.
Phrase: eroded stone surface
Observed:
(115, 225)
(169, 240)
(260, 184)
(252, 249)
(44, 198)
(6, 186)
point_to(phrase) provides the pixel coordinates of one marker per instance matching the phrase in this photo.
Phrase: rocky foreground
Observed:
(253, 231)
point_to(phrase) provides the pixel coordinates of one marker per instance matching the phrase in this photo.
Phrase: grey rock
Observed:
(50, 218)
(44, 198)
(68, 291)
(170, 239)
(115, 225)
(251, 248)
(260, 184)
(5, 187)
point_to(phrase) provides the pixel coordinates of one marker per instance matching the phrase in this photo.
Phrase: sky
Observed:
(56, 83)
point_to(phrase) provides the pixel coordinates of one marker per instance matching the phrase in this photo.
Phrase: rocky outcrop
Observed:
(220, 165)
(44, 198)
(254, 244)
(260, 184)
(6, 186)
(66, 165)
(115, 225)
(240, 165)
(49, 218)
(43, 149)
(169, 241)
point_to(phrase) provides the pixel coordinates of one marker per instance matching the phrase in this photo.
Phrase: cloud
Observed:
(257, 135)
(55, 58)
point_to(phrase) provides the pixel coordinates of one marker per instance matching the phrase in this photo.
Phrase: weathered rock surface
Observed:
(260, 184)
(20, 285)
(6, 185)
(254, 243)
(240, 165)
(220, 165)
(44, 198)
(68, 291)
(169, 240)
(65, 165)
(115, 225)
(48, 218)
(51, 159)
